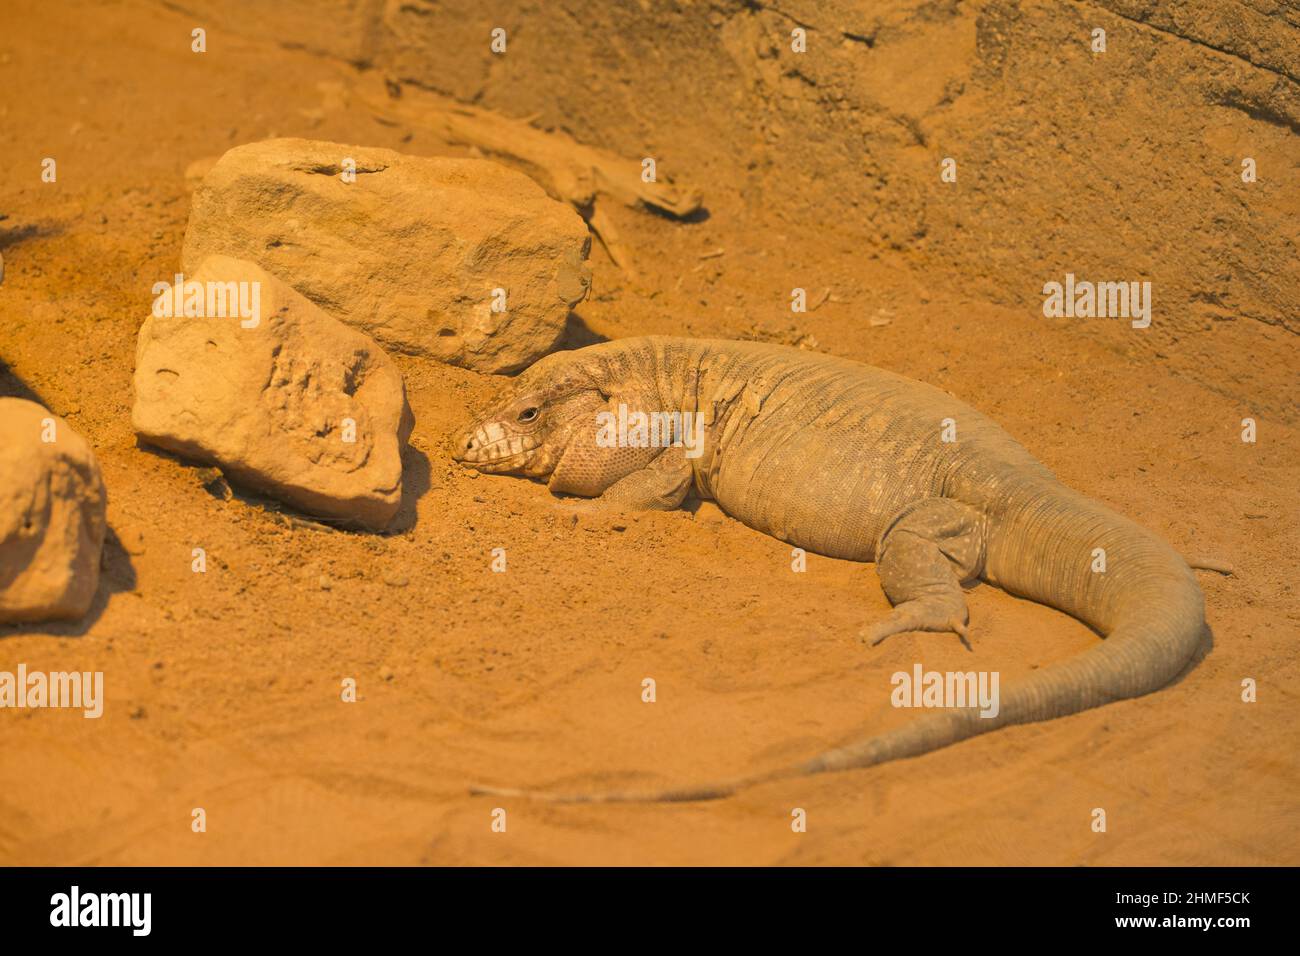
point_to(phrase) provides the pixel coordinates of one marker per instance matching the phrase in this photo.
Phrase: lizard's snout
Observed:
(488, 444)
(464, 447)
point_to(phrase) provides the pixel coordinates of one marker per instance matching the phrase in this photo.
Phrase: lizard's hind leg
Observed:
(922, 558)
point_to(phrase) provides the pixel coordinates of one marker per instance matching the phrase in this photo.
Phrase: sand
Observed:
(223, 690)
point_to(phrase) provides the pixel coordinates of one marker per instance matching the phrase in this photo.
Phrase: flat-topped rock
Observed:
(411, 250)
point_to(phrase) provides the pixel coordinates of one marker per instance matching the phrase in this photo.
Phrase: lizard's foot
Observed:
(925, 553)
(929, 613)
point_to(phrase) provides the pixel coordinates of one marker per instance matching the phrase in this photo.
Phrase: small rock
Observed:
(132, 541)
(396, 580)
(386, 673)
(325, 583)
(196, 170)
(295, 405)
(214, 483)
(52, 516)
(410, 251)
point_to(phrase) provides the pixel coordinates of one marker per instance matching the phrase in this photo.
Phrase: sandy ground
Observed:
(223, 689)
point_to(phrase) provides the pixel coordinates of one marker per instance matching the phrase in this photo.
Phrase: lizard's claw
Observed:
(921, 614)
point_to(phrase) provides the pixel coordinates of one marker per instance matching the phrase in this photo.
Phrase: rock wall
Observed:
(1118, 165)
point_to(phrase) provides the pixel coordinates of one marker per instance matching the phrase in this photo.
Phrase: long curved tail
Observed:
(1046, 543)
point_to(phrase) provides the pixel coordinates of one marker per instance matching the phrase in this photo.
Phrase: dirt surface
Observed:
(223, 689)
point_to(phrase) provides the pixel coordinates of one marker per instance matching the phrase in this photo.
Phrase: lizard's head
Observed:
(528, 430)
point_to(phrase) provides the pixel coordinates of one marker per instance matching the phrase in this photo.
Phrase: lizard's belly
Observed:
(825, 455)
(833, 498)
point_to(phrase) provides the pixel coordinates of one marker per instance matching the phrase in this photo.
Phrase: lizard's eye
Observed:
(528, 414)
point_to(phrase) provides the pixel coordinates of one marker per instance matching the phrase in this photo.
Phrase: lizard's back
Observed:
(821, 451)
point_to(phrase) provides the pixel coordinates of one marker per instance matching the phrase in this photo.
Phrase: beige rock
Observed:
(411, 251)
(52, 505)
(196, 170)
(272, 393)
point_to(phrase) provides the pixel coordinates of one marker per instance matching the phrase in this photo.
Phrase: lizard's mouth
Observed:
(488, 447)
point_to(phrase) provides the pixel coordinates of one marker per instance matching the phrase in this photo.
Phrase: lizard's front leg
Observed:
(628, 477)
(660, 486)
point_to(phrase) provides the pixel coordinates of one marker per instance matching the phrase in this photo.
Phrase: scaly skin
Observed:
(848, 460)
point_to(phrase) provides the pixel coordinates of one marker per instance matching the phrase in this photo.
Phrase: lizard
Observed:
(847, 460)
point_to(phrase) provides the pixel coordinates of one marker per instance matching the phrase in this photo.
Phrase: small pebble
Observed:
(133, 542)
(325, 582)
